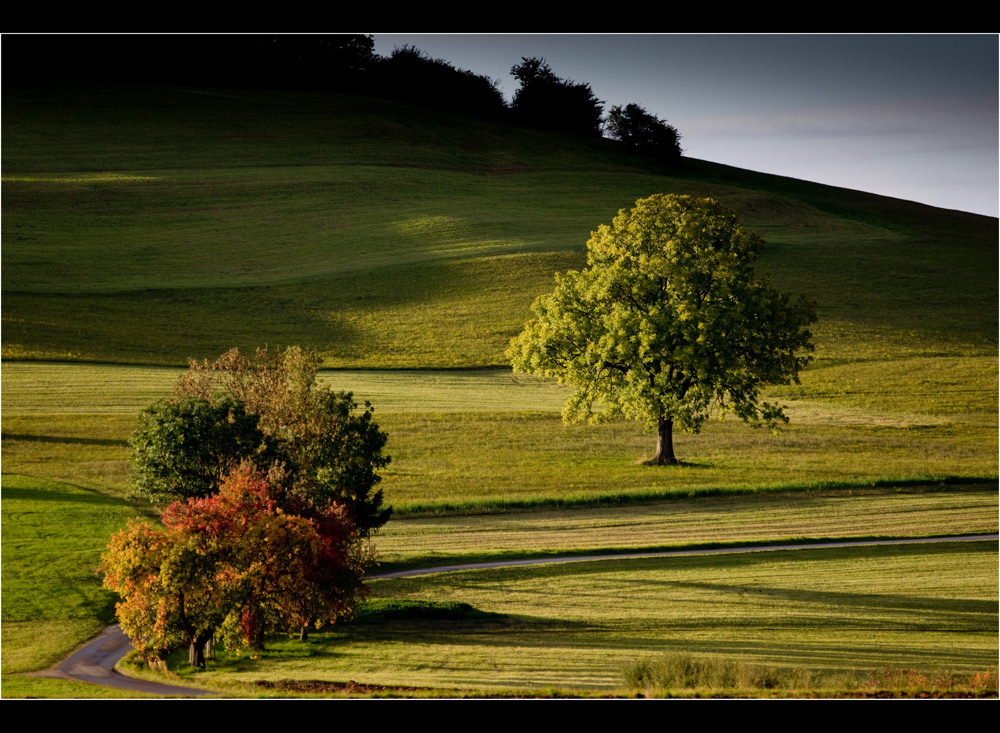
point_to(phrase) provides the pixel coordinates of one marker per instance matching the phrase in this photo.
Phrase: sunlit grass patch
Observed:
(19, 686)
(455, 458)
(53, 536)
(88, 450)
(421, 540)
(467, 437)
(37, 644)
(81, 178)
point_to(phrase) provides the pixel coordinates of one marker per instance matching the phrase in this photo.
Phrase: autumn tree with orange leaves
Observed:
(235, 565)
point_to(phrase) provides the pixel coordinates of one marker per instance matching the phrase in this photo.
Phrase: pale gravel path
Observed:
(95, 661)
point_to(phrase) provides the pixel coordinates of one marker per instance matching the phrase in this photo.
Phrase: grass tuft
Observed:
(679, 673)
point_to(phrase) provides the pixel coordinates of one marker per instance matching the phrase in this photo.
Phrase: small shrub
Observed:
(984, 682)
(680, 672)
(685, 672)
(134, 661)
(137, 661)
(639, 675)
(909, 681)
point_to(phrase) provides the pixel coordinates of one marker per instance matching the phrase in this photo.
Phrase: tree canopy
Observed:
(273, 483)
(668, 323)
(236, 564)
(411, 75)
(267, 410)
(545, 100)
(184, 448)
(643, 132)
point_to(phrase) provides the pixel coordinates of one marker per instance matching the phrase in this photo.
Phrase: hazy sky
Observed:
(910, 116)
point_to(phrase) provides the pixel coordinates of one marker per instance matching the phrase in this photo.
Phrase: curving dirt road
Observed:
(95, 661)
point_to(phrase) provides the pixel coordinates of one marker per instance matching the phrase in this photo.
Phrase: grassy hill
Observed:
(148, 225)
(144, 226)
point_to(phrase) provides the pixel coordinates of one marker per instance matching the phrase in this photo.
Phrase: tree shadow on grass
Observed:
(60, 439)
(679, 464)
(71, 495)
(959, 607)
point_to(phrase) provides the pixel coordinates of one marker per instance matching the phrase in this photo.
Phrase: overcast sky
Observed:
(910, 116)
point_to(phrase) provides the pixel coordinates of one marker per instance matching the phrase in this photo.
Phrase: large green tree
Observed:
(668, 323)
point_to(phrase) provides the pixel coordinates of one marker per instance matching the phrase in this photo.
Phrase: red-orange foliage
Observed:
(238, 564)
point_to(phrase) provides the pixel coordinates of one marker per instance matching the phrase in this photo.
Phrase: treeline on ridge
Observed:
(339, 63)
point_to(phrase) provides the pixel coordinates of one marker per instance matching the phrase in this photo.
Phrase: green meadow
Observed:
(580, 625)
(144, 226)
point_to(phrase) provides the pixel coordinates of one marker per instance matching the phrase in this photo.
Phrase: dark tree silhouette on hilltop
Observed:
(410, 75)
(544, 100)
(644, 133)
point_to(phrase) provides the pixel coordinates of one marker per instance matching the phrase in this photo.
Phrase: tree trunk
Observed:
(664, 444)
(196, 655)
(196, 651)
(304, 633)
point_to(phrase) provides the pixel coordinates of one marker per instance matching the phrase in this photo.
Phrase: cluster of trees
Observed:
(643, 132)
(544, 100)
(269, 484)
(347, 63)
(411, 75)
(668, 323)
(330, 62)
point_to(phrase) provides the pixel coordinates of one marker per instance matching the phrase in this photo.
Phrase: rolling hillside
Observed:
(146, 225)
